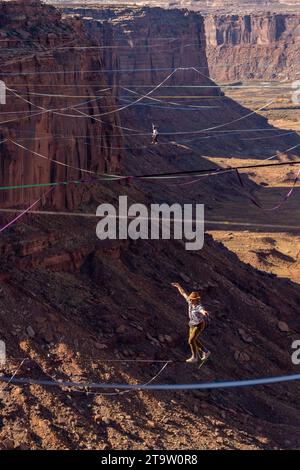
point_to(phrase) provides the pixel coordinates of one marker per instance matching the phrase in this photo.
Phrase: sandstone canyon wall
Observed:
(265, 47)
(140, 47)
(39, 62)
(150, 41)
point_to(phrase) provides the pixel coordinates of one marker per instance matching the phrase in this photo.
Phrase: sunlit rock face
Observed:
(253, 46)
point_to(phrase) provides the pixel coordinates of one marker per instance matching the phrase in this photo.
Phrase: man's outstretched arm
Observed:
(181, 290)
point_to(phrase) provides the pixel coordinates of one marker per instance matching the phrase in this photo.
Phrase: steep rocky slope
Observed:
(83, 310)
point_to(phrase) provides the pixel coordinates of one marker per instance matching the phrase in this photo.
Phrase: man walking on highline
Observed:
(154, 134)
(198, 322)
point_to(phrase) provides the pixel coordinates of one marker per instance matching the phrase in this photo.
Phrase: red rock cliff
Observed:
(144, 39)
(35, 43)
(152, 42)
(263, 46)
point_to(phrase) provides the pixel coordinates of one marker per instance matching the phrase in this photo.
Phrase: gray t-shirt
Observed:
(195, 313)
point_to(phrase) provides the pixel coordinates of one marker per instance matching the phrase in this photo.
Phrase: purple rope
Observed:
(257, 203)
(25, 211)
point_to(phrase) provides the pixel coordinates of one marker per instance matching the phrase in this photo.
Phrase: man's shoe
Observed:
(206, 356)
(192, 360)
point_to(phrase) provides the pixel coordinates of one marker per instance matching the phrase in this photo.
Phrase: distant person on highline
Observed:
(154, 134)
(198, 322)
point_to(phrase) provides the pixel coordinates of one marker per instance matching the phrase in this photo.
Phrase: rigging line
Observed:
(167, 102)
(176, 133)
(174, 174)
(257, 203)
(229, 223)
(17, 38)
(75, 85)
(103, 360)
(264, 159)
(65, 183)
(25, 211)
(98, 47)
(177, 143)
(142, 386)
(228, 133)
(46, 49)
(59, 183)
(61, 163)
(226, 223)
(13, 376)
(16, 112)
(178, 97)
(66, 96)
(224, 124)
(195, 139)
(280, 153)
(272, 136)
(189, 173)
(161, 38)
(131, 70)
(225, 132)
(253, 199)
(162, 69)
(100, 120)
(131, 47)
(155, 88)
(193, 181)
(178, 107)
(191, 386)
(24, 117)
(186, 132)
(115, 110)
(166, 363)
(141, 98)
(40, 53)
(54, 109)
(44, 110)
(60, 114)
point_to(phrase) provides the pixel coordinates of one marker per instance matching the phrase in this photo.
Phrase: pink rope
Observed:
(195, 180)
(25, 211)
(258, 204)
